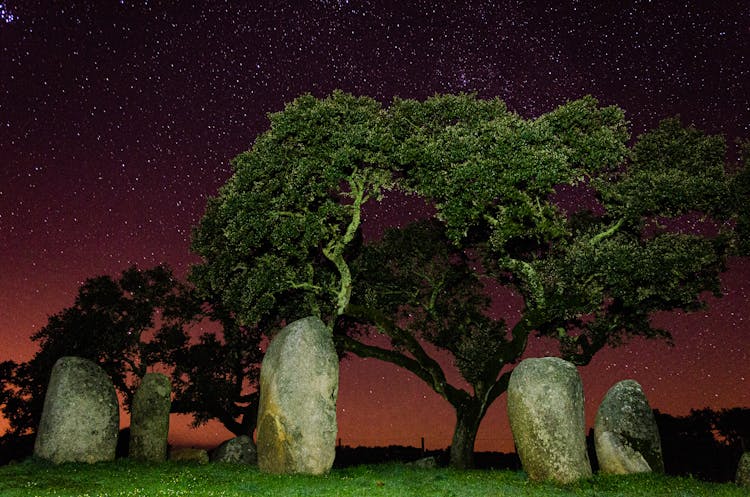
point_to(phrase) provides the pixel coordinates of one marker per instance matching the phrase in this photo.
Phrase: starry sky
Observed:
(118, 120)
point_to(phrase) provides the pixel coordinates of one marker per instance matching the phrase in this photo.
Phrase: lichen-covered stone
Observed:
(545, 409)
(625, 433)
(188, 454)
(743, 471)
(238, 450)
(298, 389)
(149, 421)
(81, 415)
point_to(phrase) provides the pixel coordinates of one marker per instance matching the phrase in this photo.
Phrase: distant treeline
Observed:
(706, 444)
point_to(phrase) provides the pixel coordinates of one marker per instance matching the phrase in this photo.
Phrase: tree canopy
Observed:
(281, 240)
(276, 237)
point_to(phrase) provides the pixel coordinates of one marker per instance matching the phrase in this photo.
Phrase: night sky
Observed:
(118, 120)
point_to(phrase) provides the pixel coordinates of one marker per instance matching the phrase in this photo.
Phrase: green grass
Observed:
(124, 477)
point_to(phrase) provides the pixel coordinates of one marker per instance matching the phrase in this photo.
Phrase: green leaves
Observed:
(673, 171)
(276, 235)
(279, 240)
(489, 170)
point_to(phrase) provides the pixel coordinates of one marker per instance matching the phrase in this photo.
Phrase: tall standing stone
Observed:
(149, 421)
(299, 381)
(545, 409)
(81, 415)
(625, 433)
(742, 477)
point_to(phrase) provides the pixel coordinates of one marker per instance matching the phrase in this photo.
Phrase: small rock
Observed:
(239, 450)
(188, 454)
(424, 463)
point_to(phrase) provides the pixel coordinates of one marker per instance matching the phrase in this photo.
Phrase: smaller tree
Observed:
(110, 323)
(215, 376)
(106, 324)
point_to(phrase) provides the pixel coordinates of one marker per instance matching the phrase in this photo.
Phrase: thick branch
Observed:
(529, 276)
(392, 356)
(496, 390)
(435, 377)
(520, 336)
(587, 349)
(335, 250)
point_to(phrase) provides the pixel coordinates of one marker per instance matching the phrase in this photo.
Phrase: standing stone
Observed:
(545, 409)
(625, 433)
(149, 421)
(743, 471)
(81, 415)
(299, 380)
(238, 450)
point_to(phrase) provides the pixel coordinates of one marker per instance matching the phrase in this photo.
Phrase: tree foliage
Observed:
(281, 240)
(277, 235)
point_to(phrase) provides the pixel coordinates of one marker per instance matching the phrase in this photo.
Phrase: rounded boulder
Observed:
(238, 450)
(81, 415)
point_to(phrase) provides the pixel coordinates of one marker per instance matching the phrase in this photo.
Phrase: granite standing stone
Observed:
(149, 421)
(238, 450)
(625, 433)
(81, 415)
(299, 382)
(545, 409)
(743, 471)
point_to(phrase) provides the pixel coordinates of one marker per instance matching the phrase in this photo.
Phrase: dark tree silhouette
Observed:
(215, 376)
(706, 443)
(111, 323)
(106, 324)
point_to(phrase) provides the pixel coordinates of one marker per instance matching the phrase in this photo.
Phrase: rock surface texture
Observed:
(625, 433)
(238, 450)
(188, 454)
(545, 409)
(299, 382)
(743, 471)
(81, 415)
(149, 422)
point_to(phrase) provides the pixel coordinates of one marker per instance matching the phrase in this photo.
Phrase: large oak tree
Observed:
(281, 240)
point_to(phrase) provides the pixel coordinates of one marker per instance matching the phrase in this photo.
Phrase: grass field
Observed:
(124, 477)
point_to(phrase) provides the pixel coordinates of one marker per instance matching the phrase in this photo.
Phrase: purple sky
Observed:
(118, 119)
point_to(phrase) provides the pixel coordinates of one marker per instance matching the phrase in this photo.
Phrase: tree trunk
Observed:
(468, 417)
